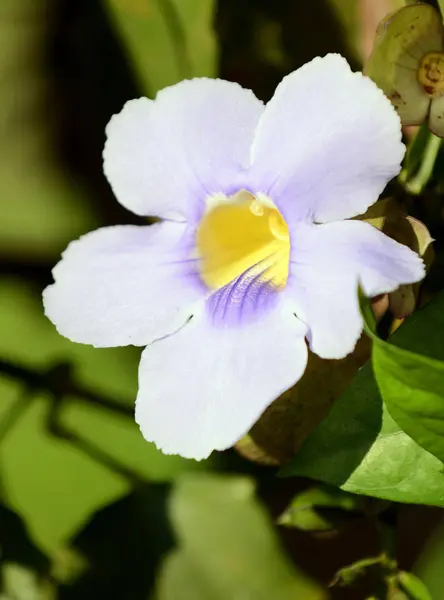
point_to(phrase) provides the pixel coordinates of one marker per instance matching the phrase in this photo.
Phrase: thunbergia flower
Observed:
(252, 258)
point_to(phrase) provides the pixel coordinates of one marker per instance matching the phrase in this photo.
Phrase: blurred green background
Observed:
(88, 508)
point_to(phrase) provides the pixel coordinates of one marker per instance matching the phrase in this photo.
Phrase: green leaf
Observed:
(179, 31)
(361, 449)
(411, 383)
(51, 483)
(414, 587)
(422, 332)
(305, 510)
(226, 546)
(55, 484)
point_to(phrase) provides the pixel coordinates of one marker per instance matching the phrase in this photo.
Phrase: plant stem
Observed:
(420, 180)
(14, 413)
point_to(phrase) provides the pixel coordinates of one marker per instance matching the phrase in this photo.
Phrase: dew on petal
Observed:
(257, 208)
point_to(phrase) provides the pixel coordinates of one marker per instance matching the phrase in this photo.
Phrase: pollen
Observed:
(243, 235)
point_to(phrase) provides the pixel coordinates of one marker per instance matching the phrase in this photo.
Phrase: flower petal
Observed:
(327, 143)
(166, 156)
(204, 387)
(328, 263)
(124, 285)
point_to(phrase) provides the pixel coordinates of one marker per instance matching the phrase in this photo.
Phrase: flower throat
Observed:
(243, 234)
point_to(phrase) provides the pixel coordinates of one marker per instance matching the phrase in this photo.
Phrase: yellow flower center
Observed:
(431, 73)
(243, 234)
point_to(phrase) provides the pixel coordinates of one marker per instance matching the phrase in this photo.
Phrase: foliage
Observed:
(88, 508)
(177, 30)
(360, 447)
(226, 546)
(320, 508)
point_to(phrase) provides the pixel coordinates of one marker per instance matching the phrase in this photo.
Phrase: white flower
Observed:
(251, 257)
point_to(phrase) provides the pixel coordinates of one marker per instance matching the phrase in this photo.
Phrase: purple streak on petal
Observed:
(204, 387)
(246, 298)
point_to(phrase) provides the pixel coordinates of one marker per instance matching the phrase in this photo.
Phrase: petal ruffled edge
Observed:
(165, 157)
(202, 388)
(327, 143)
(124, 285)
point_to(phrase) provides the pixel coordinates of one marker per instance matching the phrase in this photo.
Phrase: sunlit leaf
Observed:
(56, 483)
(226, 547)
(51, 483)
(361, 449)
(412, 383)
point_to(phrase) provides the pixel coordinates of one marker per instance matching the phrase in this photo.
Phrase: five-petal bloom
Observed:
(252, 256)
